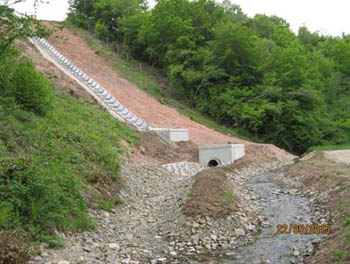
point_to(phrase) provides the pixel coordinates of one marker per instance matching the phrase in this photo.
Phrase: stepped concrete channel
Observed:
(107, 100)
(281, 203)
(213, 156)
(116, 108)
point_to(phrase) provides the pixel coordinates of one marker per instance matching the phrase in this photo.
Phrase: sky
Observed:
(325, 16)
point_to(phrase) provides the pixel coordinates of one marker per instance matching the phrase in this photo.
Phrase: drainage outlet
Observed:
(216, 155)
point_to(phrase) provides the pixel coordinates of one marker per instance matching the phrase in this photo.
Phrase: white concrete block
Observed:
(216, 155)
(172, 135)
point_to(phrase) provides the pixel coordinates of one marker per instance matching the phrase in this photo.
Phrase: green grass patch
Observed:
(53, 241)
(106, 205)
(48, 162)
(347, 237)
(229, 197)
(330, 147)
(346, 221)
(344, 205)
(120, 200)
(340, 255)
(326, 176)
(346, 186)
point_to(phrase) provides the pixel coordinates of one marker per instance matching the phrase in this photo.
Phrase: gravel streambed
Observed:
(151, 228)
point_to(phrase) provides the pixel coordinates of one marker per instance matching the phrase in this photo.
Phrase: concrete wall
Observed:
(222, 154)
(172, 135)
(238, 150)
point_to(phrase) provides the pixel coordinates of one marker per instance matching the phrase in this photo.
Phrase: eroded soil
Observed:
(327, 181)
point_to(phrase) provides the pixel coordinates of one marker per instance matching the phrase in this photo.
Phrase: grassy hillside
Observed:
(53, 163)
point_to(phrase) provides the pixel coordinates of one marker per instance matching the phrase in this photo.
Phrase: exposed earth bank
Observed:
(163, 216)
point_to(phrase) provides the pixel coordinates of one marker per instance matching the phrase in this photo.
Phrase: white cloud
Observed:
(330, 17)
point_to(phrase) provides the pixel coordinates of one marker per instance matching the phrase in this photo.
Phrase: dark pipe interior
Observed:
(213, 163)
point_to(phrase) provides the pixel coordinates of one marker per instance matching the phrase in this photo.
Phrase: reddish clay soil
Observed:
(61, 80)
(152, 149)
(209, 194)
(73, 46)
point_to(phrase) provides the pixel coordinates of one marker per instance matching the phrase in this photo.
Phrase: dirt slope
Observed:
(73, 46)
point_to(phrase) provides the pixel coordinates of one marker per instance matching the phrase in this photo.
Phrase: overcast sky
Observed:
(327, 17)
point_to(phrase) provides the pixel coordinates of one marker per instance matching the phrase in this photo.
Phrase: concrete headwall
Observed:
(221, 154)
(172, 135)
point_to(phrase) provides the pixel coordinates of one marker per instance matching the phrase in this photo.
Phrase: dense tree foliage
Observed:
(253, 74)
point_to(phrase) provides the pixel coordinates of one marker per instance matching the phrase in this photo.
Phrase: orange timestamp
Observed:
(303, 229)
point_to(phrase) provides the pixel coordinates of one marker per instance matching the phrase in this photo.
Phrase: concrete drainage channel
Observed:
(209, 156)
(107, 99)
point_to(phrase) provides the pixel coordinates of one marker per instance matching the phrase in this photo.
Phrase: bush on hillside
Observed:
(19, 79)
(49, 165)
(36, 200)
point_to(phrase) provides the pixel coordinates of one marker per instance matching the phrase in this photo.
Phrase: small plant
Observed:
(208, 177)
(327, 176)
(120, 200)
(188, 193)
(30, 88)
(347, 236)
(5, 214)
(346, 221)
(339, 255)
(106, 205)
(230, 198)
(53, 241)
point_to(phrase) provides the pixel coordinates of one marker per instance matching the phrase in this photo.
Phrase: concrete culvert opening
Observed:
(213, 163)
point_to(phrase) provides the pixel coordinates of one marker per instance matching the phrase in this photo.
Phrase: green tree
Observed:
(14, 27)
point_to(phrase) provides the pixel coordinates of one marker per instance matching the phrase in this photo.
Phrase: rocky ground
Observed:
(151, 228)
(324, 178)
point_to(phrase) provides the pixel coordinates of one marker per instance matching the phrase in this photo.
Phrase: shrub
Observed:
(21, 81)
(32, 90)
(40, 200)
(49, 164)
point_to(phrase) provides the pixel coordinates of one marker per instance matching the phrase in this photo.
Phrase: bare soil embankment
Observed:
(325, 177)
(74, 46)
